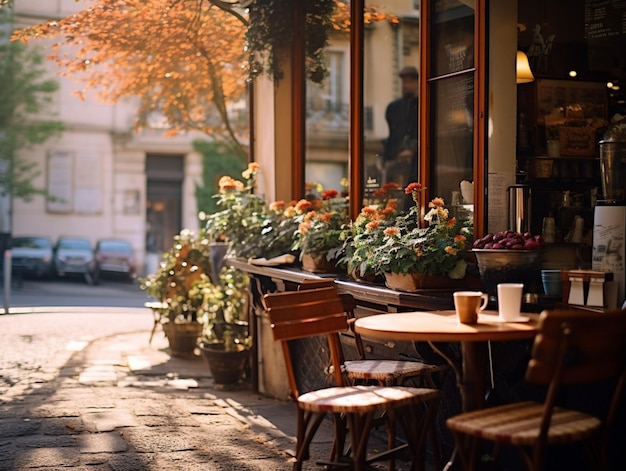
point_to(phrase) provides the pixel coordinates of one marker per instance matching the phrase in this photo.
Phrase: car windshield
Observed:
(74, 244)
(30, 242)
(115, 246)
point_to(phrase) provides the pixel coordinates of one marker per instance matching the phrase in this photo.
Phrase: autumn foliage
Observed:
(185, 59)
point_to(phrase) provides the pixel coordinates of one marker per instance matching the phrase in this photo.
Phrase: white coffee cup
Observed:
(509, 301)
(467, 304)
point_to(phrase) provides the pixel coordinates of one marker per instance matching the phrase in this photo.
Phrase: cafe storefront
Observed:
(482, 128)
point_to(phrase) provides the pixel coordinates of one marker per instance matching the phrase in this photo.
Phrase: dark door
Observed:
(164, 200)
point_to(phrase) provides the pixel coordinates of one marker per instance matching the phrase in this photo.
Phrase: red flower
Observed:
(328, 194)
(411, 187)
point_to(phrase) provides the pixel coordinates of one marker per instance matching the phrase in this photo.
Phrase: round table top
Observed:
(443, 326)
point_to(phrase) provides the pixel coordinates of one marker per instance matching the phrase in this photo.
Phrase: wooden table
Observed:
(443, 326)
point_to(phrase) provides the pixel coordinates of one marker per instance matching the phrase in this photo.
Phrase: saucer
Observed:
(515, 319)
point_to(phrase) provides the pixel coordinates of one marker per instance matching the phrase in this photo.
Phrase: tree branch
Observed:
(229, 7)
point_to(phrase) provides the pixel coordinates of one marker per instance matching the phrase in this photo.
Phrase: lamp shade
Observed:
(524, 74)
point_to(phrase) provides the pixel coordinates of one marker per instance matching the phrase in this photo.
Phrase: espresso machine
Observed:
(609, 226)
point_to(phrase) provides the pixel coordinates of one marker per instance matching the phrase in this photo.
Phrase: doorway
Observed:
(164, 175)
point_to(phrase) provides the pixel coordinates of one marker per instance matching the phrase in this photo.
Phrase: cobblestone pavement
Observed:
(84, 390)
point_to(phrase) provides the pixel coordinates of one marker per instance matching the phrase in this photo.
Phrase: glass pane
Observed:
(452, 137)
(327, 119)
(390, 96)
(452, 36)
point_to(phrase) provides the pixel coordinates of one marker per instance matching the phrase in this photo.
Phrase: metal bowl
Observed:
(508, 266)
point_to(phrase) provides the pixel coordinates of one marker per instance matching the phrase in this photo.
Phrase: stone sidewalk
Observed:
(119, 404)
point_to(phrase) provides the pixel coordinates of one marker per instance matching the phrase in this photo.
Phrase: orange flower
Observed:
(316, 203)
(450, 250)
(436, 203)
(370, 226)
(326, 217)
(303, 228)
(310, 215)
(277, 206)
(391, 231)
(368, 211)
(380, 193)
(451, 222)
(226, 183)
(253, 168)
(303, 205)
(460, 239)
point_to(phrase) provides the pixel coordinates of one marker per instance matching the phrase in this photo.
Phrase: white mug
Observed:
(509, 300)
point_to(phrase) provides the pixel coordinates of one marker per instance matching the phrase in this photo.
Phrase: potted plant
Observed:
(246, 223)
(321, 222)
(196, 304)
(226, 340)
(178, 285)
(366, 232)
(414, 255)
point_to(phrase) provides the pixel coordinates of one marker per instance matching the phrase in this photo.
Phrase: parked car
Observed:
(74, 256)
(115, 256)
(31, 256)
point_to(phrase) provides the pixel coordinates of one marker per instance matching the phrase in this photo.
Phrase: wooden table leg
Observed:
(472, 385)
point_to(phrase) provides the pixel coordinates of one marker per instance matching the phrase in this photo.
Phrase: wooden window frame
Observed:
(356, 137)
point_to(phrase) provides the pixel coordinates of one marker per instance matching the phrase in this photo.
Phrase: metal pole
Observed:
(7, 280)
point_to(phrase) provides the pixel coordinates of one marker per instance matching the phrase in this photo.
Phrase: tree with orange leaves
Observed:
(185, 59)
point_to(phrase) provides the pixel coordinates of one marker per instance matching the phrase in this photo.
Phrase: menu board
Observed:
(605, 18)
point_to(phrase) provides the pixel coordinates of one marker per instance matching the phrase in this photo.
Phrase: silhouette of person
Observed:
(400, 148)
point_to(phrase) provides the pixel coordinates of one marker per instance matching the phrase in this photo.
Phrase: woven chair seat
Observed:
(518, 424)
(359, 399)
(384, 370)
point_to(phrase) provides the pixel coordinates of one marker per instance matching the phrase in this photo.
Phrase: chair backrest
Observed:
(578, 347)
(307, 313)
(349, 306)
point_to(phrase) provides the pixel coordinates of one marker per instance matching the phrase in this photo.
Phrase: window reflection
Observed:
(328, 121)
(452, 96)
(390, 85)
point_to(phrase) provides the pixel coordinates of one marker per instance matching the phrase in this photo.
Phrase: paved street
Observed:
(81, 388)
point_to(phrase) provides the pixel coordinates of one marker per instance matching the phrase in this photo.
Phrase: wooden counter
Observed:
(367, 294)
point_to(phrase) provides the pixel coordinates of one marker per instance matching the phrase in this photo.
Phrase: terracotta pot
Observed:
(413, 282)
(227, 367)
(317, 264)
(183, 338)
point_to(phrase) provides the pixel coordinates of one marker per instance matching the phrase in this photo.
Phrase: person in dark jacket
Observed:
(400, 148)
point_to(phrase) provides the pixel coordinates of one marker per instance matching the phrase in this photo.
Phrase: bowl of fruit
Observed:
(509, 257)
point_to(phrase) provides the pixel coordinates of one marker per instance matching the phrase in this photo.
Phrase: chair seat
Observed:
(382, 370)
(351, 399)
(518, 424)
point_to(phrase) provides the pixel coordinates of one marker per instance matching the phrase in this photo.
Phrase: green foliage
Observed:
(25, 97)
(218, 159)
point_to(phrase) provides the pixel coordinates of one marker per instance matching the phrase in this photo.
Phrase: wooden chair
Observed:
(301, 314)
(385, 372)
(572, 347)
